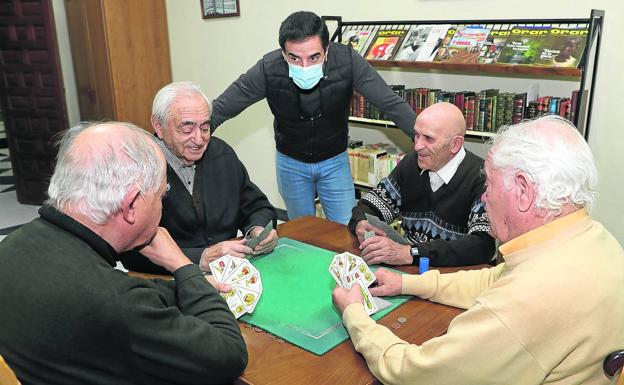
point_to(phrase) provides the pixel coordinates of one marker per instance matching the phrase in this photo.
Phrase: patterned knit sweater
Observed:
(450, 225)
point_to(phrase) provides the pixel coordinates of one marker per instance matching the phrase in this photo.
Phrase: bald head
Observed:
(440, 131)
(444, 118)
(99, 163)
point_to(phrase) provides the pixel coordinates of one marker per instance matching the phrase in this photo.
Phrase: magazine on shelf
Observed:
(494, 44)
(385, 45)
(465, 45)
(563, 46)
(523, 44)
(422, 42)
(357, 37)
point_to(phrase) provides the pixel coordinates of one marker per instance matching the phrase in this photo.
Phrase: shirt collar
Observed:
(543, 234)
(171, 158)
(80, 231)
(448, 171)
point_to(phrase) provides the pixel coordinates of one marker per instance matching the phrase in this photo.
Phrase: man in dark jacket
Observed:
(69, 317)
(211, 196)
(436, 192)
(308, 84)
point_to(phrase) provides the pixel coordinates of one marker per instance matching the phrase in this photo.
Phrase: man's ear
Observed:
(158, 128)
(456, 144)
(525, 192)
(128, 206)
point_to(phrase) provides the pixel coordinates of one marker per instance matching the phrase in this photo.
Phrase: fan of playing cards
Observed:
(346, 269)
(244, 279)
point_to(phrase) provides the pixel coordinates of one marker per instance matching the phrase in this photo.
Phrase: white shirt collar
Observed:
(448, 171)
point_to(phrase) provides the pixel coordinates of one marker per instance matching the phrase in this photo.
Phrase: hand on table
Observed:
(380, 249)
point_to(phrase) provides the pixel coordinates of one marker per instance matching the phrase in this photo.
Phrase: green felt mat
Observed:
(296, 303)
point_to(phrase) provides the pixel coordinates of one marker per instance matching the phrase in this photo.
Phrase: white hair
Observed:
(554, 155)
(95, 183)
(161, 107)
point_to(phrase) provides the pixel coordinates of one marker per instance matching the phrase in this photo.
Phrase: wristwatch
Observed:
(414, 253)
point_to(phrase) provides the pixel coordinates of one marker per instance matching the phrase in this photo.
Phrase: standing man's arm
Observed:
(369, 83)
(248, 89)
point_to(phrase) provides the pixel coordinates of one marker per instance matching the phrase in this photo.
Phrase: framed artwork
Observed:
(219, 8)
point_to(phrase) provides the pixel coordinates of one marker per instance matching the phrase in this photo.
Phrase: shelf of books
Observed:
(565, 49)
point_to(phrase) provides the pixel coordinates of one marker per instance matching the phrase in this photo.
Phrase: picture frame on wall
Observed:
(219, 8)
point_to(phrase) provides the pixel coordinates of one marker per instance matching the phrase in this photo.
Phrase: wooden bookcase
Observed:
(583, 77)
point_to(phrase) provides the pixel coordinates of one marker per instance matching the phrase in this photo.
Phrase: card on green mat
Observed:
(296, 303)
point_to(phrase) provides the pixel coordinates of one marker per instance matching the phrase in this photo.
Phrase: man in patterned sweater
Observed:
(436, 192)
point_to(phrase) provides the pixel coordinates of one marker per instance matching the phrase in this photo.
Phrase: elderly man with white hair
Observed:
(69, 317)
(550, 313)
(211, 195)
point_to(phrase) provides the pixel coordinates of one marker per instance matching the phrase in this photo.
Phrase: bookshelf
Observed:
(582, 77)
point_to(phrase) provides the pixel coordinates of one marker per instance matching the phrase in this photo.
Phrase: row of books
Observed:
(554, 45)
(484, 111)
(371, 163)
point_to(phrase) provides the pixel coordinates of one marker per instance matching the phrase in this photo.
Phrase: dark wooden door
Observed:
(31, 93)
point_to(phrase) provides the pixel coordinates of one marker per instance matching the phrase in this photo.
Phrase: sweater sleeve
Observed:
(182, 332)
(459, 289)
(384, 201)
(370, 84)
(248, 89)
(477, 349)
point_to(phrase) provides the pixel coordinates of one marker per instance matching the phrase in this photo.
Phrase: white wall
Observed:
(214, 52)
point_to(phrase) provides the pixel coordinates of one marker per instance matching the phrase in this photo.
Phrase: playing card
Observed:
(337, 267)
(351, 261)
(244, 269)
(253, 242)
(251, 281)
(231, 264)
(369, 304)
(390, 232)
(217, 267)
(248, 297)
(381, 303)
(362, 274)
(234, 302)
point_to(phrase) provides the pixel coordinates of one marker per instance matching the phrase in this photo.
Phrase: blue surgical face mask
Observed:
(305, 77)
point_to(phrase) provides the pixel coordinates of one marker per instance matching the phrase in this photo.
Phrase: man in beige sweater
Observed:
(550, 313)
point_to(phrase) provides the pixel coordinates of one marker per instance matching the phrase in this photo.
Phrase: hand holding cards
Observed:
(347, 269)
(252, 242)
(244, 279)
(390, 232)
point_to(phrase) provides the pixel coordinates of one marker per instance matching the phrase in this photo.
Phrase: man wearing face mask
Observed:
(308, 84)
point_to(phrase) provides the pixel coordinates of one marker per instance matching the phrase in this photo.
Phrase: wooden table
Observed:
(273, 361)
